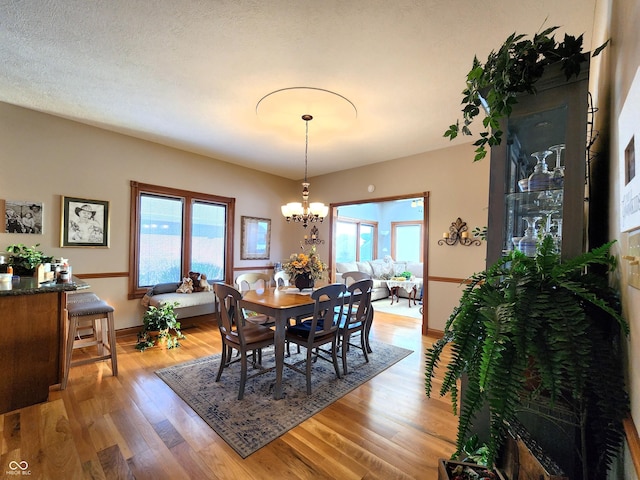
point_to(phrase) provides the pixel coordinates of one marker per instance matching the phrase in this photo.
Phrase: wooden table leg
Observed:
(414, 292)
(281, 327)
(394, 293)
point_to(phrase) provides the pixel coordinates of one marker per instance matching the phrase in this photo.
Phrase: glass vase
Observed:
(529, 242)
(303, 281)
(540, 179)
(557, 176)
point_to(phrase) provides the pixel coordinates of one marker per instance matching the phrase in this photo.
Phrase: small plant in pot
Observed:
(158, 325)
(24, 260)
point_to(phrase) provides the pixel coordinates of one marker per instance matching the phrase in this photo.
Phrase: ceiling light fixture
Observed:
(305, 212)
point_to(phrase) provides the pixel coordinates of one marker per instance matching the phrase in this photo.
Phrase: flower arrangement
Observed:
(303, 263)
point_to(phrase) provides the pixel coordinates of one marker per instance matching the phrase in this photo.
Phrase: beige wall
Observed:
(45, 157)
(457, 187)
(610, 83)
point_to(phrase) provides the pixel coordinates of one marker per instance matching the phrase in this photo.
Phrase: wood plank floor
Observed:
(134, 426)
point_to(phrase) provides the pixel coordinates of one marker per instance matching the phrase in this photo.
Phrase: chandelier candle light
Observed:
(305, 212)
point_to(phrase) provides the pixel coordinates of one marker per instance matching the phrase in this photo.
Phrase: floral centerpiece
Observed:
(304, 268)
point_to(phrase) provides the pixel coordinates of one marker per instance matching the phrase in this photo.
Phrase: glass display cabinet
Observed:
(538, 186)
(538, 172)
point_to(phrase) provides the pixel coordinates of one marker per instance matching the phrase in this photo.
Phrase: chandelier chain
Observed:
(306, 148)
(305, 212)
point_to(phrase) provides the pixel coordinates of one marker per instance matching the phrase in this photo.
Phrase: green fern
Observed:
(539, 320)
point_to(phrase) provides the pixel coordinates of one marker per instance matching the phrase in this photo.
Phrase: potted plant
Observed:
(514, 69)
(538, 328)
(473, 465)
(305, 268)
(24, 260)
(158, 325)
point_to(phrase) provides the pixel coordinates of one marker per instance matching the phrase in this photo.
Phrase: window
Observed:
(406, 241)
(176, 231)
(355, 240)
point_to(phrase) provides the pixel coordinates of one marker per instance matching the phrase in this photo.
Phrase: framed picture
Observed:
(255, 243)
(628, 158)
(23, 217)
(85, 223)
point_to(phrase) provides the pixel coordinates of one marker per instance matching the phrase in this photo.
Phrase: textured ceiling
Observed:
(190, 74)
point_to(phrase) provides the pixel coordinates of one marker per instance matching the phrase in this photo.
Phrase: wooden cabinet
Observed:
(555, 120)
(30, 348)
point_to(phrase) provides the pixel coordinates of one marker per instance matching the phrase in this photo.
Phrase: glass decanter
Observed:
(557, 176)
(540, 179)
(528, 243)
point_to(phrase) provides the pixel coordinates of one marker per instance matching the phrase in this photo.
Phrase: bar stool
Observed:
(81, 297)
(100, 314)
(76, 296)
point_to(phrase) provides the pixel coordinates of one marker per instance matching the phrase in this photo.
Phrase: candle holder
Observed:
(313, 238)
(458, 233)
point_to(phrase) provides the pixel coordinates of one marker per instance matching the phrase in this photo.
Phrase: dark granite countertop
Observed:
(29, 286)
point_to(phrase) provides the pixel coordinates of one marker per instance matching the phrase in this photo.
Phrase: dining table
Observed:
(282, 304)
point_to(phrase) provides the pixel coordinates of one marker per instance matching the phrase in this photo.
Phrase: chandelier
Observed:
(305, 212)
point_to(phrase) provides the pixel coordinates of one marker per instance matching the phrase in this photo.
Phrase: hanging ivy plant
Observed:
(514, 69)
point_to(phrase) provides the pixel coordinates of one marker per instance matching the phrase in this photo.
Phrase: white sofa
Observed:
(381, 270)
(189, 304)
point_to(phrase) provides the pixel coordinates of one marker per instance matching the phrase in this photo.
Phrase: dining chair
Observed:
(281, 279)
(354, 276)
(254, 281)
(356, 319)
(319, 330)
(236, 333)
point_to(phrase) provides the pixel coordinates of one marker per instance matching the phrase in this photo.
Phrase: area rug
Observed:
(249, 424)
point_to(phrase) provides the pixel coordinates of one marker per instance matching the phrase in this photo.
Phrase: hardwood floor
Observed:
(134, 426)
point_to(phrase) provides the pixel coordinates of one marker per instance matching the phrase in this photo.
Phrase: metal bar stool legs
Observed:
(100, 314)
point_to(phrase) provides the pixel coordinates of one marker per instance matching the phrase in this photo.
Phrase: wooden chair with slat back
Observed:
(237, 333)
(254, 281)
(281, 279)
(356, 318)
(319, 330)
(354, 276)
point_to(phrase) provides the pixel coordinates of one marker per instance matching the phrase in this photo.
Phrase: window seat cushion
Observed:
(189, 304)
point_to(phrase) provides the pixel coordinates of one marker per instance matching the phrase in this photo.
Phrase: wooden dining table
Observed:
(281, 304)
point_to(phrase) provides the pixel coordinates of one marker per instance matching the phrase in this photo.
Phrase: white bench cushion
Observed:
(183, 299)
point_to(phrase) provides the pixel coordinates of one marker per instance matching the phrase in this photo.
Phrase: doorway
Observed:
(361, 230)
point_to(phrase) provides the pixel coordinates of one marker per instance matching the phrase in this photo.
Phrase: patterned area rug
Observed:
(249, 424)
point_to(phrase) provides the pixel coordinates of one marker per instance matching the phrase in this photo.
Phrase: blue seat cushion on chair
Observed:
(343, 322)
(304, 328)
(354, 309)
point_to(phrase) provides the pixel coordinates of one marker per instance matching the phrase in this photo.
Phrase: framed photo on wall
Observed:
(23, 217)
(255, 242)
(85, 223)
